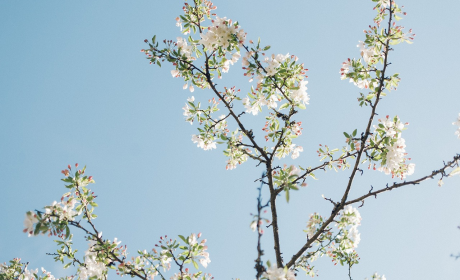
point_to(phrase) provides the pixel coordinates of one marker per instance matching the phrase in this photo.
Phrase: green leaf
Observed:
(37, 229)
(183, 238)
(67, 265)
(284, 106)
(346, 135)
(301, 106)
(287, 195)
(67, 232)
(195, 264)
(354, 132)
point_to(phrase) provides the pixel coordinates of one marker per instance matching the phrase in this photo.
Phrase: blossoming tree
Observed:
(277, 89)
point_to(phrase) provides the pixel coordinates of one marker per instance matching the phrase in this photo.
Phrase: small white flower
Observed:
(275, 273)
(29, 221)
(253, 225)
(440, 183)
(457, 123)
(301, 95)
(175, 73)
(296, 152)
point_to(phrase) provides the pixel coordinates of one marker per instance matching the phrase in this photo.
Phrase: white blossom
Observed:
(300, 95)
(220, 34)
(275, 273)
(345, 69)
(205, 144)
(457, 123)
(253, 109)
(92, 266)
(377, 277)
(395, 151)
(179, 23)
(314, 220)
(273, 63)
(175, 73)
(384, 3)
(29, 221)
(296, 152)
(184, 48)
(367, 53)
(29, 274)
(270, 102)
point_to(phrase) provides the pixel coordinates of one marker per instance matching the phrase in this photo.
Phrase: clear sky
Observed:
(74, 87)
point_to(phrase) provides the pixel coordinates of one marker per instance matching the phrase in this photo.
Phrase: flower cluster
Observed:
(287, 149)
(389, 147)
(357, 73)
(275, 273)
(363, 72)
(235, 152)
(259, 100)
(350, 238)
(204, 141)
(92, 267)
(191, 112)
(286, 179)
(184, 49)
(198, 250)
(29, 222)
(273, 63)
(370, 55)
(299, 94)
(313, 223)
(213, 128)
(296, 128)
(280, 77)
(457, 123)
(222, 34)
(63, 210)
(19, 271)
(227, 62)
(376, 276)
(150, 263)
(56, 216)
(191, 276)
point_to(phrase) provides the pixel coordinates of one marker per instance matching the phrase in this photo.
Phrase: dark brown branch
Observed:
(413, 182)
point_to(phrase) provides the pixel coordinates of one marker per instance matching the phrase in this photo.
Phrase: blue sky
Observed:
(74, 87)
